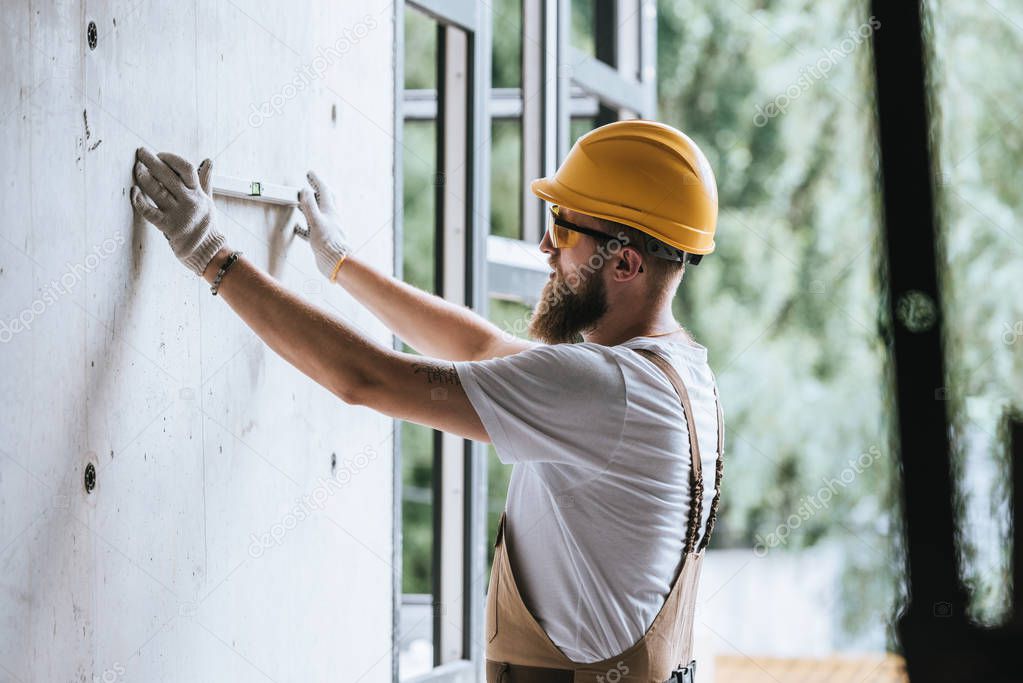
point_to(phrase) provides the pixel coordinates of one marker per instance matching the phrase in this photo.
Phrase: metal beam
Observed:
(460, 13)
(562, 128)
(398, 236)
(517, 269)
(452, 185)
(606, 34)
(474, 470)
(539, 110)
(599, 79)
(505, 103)
(932, 627)
(648, 54)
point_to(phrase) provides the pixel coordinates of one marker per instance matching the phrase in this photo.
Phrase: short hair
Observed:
(665, 275)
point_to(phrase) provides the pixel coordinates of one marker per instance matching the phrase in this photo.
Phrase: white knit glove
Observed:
(177, 200)
(326, 236)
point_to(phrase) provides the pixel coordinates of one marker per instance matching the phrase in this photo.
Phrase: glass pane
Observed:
(420, 168)
(979, 150)
(420, 50)
(583, 28)
(506, 178)
(779, 96)
(418, 251)
(507, 56)
(578, 127)
(512, 317)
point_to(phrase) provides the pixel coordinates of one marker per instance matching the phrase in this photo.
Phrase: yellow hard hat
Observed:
(644, 174)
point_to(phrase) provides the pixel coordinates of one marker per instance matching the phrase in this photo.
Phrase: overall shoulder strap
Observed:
(719, 469)
(694, 447)
(695, 471)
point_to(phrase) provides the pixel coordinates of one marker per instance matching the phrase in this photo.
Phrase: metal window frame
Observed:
(505, 103)
(558, 83)
(460, 107)
(622, 73)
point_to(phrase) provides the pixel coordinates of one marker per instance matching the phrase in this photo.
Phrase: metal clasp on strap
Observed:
(687, 674)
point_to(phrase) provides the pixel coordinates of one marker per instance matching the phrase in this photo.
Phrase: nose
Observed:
(546, 246)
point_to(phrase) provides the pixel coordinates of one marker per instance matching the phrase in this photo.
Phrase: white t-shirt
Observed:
(598, 501)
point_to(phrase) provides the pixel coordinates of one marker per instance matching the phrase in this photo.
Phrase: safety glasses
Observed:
(565, 235)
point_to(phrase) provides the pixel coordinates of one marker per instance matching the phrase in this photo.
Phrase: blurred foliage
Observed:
(420, 50)
(416, 507)
(417, 440)
(577, 127)
(506, 63)
(511, 317)
(582, 27)
(977, 92)
(789, 303)
(506, 178)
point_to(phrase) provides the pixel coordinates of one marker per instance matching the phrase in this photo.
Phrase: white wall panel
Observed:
(202, 438)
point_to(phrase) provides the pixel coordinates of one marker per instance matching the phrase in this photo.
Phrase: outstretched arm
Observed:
(175, 196)
(426, 322)
(358, 370)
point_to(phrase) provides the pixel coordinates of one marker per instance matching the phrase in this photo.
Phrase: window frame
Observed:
(459, 487)
(473, 265)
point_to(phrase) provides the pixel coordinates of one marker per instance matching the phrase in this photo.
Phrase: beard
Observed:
(562, 314)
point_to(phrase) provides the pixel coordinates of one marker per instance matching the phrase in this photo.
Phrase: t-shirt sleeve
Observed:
(562, 403)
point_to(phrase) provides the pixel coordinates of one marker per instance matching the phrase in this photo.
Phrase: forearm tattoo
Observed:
(437, 374)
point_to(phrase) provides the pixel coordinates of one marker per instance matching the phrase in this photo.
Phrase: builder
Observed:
(610, 418)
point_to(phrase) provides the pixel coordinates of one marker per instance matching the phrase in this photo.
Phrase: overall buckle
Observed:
(687, 674)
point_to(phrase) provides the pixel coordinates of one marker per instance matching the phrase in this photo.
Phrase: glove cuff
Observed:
(328, 254)
(207, 247)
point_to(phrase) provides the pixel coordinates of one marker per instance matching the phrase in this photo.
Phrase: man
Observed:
(607, 500)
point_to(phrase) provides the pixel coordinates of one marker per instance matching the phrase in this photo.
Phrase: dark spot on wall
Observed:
(90, 477)
(92, 34)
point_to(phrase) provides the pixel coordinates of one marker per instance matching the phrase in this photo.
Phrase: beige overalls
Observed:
(519, 650)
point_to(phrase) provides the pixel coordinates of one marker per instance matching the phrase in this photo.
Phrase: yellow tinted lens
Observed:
(562, 238)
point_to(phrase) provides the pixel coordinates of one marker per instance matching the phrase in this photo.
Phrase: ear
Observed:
(628, 264)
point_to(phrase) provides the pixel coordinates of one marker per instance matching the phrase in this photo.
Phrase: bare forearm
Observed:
(321, 346)
(426, 322)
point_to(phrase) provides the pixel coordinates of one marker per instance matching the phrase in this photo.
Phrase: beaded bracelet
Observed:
(223, 269)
